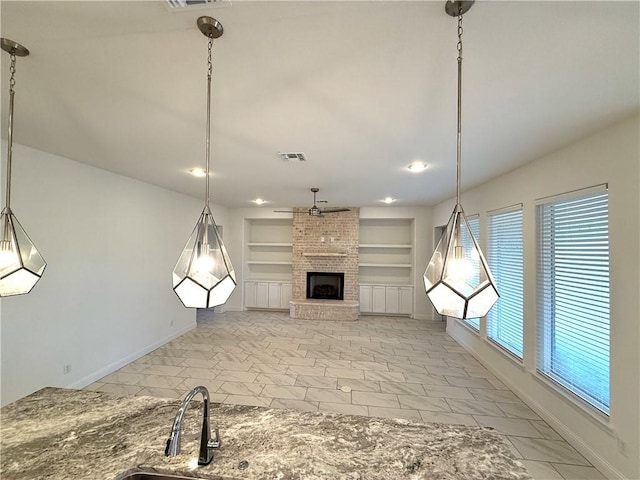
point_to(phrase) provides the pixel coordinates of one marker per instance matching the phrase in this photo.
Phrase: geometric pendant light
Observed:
(21, 265)
(457, 279)
(203, 276)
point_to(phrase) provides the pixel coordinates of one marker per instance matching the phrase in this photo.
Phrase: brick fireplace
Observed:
(327, 244)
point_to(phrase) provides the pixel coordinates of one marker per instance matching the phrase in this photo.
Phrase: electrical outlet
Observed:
(66, 369)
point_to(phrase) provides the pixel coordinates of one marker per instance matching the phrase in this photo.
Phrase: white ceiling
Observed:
(363, 88)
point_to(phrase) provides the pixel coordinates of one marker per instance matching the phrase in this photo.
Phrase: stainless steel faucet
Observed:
(207, 444)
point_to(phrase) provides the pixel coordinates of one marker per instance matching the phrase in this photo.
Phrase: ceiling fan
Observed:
(315, 211)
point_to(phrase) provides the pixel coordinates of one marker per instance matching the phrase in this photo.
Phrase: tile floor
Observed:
(378, 366)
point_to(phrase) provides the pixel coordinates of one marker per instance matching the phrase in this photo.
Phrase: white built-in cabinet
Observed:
(385, 272)
(275, 295)
(387, 299)
(267, 269)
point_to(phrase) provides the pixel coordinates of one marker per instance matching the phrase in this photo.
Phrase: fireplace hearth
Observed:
(325, 285)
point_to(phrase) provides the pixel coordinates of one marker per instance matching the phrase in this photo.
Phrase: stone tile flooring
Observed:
(391, 367)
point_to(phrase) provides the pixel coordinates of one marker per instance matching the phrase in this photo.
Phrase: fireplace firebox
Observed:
(325, 285)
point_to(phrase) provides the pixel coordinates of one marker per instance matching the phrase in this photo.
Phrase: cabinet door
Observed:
(262, 295)
(378, 299)
(274, 295)
(285, 295)
(406, 300)
(365, 298)
(393, 298)
(249, 294)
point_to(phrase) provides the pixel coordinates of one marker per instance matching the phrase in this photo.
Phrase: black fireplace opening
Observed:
(325, 285)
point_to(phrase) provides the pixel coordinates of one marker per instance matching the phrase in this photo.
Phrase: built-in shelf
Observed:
(268, 249)
(324, 254)
(384, 245)
(386, 265)
(386, 253)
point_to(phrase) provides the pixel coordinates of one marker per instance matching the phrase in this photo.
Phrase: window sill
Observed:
(506, 353)
(598, 417)
(471, 328)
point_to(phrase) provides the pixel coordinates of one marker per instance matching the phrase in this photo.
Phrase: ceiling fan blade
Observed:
(335, 210)
(283, 211)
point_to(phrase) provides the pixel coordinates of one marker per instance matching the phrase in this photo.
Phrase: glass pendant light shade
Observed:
(457, 279)
(203, 276)
(21, 265)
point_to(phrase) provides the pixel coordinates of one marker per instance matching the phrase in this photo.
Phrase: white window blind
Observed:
(474, 225)
(504, 321)
(573, 295)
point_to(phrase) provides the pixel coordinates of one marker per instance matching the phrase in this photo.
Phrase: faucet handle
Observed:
(215, 442)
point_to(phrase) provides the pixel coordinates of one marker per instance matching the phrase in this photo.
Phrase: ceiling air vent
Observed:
(179, 5)
(293, 156)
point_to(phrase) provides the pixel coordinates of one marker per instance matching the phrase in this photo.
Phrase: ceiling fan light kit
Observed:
(314, 211)
(457, 279)
(21, 265)
(203, 276)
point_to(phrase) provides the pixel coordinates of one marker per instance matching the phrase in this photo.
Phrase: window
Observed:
(474, 225)
(504, 320)
(573, 294)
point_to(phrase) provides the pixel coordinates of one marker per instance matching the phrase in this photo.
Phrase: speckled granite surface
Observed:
(70, 434)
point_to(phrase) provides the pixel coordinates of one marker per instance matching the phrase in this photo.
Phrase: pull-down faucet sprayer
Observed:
(207, 444)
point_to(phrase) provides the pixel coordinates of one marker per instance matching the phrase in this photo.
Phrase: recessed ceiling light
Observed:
(259, 201)
(197, 172)
(416, 167)
(388, 200)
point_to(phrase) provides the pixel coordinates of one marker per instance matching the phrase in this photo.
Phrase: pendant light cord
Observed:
(12, 83)
(459, 135)
(207, 153)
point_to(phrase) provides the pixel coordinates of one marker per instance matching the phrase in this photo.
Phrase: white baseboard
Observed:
(233, 309)
(558, 425)
(425, 316)
(112, 367)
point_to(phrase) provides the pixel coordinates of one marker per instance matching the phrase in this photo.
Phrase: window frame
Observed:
(516, 354)
(546, 293)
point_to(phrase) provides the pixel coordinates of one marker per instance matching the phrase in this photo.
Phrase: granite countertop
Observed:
(74, 434)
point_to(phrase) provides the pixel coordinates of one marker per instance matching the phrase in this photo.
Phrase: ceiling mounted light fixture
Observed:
(198, 172)
(21, 265)
(388, 200)
(259, 201)
(417, 167)
(457, 279)
(203, 276)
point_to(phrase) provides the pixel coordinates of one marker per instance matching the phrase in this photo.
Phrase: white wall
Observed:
(105, 298)
(611, 156)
